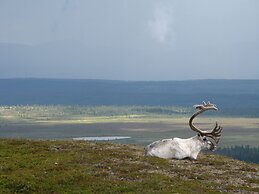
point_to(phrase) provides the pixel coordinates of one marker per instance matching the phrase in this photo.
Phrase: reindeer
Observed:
(178, 148)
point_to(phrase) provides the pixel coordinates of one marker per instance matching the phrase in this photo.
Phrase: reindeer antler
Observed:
(205, 106)
(215, 133)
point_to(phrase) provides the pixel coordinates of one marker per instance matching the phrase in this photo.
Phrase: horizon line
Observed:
(99, 79)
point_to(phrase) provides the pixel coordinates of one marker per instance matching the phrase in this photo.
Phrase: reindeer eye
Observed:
(204, 139)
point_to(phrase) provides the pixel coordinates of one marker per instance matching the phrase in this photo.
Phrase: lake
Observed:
(108, 138)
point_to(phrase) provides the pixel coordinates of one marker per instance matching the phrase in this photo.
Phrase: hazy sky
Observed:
(130, 39)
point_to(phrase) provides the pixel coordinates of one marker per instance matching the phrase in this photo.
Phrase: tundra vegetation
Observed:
(30, 166)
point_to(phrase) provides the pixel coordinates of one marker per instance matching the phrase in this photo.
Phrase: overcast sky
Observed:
(130, 39)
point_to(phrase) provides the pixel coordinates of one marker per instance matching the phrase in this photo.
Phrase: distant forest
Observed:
(244, 153)
(233, 97)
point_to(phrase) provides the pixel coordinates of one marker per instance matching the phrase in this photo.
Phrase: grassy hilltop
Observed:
(88, 167)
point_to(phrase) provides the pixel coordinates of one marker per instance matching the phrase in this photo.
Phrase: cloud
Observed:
(69, 5)
(161, 25)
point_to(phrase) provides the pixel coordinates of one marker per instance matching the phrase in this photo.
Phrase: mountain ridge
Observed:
(89, 92)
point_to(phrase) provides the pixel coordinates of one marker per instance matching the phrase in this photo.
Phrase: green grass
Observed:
(88, 167)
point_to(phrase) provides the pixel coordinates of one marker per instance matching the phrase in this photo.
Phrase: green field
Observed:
(143, 123)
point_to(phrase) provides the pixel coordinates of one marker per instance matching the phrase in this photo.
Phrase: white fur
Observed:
(177, 148)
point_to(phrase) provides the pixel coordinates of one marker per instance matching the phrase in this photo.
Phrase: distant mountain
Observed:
(227, 94)
(76, 60)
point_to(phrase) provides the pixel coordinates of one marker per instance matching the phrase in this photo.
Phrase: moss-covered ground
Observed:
(28, 166)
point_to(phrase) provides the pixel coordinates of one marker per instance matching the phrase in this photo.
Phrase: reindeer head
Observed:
(205, 136)
(206, 142)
